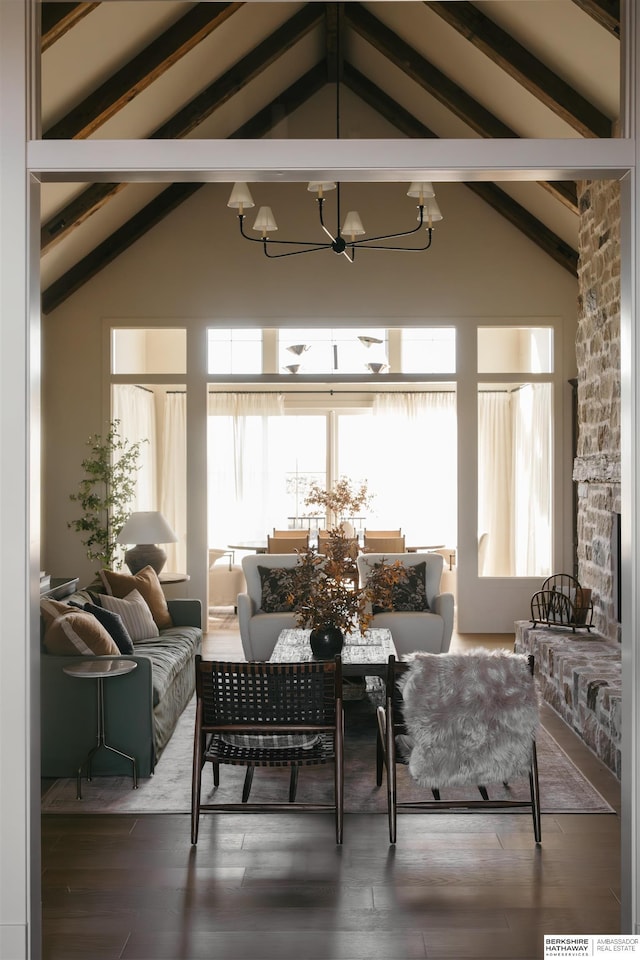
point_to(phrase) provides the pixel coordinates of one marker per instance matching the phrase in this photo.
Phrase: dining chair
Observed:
(287, 544)
(460, 720)
(383, 533)
(268, 715)
(290, 533)
(383, 544)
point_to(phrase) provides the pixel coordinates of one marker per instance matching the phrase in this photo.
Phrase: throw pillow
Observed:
(70, 632)
(275, 584)
(145, 582)
(113, 624)
(135, 614)
(409, 594)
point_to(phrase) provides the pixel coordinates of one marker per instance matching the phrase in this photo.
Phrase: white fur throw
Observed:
(471, 718)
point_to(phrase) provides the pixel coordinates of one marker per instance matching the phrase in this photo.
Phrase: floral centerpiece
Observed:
(324, 590)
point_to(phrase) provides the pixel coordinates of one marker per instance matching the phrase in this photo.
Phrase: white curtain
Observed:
(240, 472)
(408, 454)
(495, 483)
(515, 480)
(533, 419)
(134, 407)
(173, 477)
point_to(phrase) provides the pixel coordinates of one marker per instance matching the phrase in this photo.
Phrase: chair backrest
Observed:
(324, 544)
(383, 544)
(287, 544)
(433, 568)
(383, 533)
(290, 533)
(446, 695)
(250, 565)
(260, 697)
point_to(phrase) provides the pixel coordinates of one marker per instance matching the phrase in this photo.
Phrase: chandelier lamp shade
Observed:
(345, 239)
(146, 529)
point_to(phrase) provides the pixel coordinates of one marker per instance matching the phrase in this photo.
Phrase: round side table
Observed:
(101, 670)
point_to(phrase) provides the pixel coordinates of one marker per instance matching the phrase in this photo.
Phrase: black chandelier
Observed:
(351, 236)
(343, 241)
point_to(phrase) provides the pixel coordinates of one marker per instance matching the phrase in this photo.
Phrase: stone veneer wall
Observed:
(597, 463)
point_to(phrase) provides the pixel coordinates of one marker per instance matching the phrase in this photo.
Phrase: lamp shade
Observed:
(431, 211)
(265, 221)
(352, 226)
(321, 186)
(146, 528)
(421, 190)
(240, 197)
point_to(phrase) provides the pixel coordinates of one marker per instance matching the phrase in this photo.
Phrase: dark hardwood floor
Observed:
(261, 887)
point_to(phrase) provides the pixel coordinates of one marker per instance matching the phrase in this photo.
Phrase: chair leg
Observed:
(216, 774)
(293, 783)
(196, 777)
(339, 773)
(380, 745)
(248, 780)
(483, 792)
(535, 794)
(390, 756)
(436, 793)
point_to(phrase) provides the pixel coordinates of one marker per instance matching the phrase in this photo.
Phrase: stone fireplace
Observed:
(596, 471)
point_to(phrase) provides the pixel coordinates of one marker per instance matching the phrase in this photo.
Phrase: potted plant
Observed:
(340, 501)
(106, 492)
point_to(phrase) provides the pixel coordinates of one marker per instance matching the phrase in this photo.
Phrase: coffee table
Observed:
(363, 655)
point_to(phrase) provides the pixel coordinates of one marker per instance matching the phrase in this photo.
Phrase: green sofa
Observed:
(141, 708)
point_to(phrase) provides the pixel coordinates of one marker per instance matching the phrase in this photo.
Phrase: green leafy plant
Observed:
(106, 492)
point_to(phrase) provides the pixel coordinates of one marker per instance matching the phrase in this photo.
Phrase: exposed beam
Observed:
(188, 118)
(386, 42)
(162, 205)
(136, 75)
(439, 86)
(57, 18)
(500, 201)
(605, 12)
(518, 63)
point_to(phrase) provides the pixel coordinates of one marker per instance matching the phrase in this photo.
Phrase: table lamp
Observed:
(146, 529)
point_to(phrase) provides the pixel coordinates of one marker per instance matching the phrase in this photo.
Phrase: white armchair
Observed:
(259, 630)
(428, 630)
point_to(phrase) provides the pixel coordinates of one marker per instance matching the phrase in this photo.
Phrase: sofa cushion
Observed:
(113, 624)
(146, 583)
(135, 614)
(168, 654)
(72, 632)
(409, 595)
(276, 589)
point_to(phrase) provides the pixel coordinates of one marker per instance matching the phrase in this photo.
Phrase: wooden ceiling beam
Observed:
(167, 201)
(136, 75)
(415, 66)
(604, 12)
(500, 201)
(189, 117)
(439, 86)
(518, 63)
(57, 18)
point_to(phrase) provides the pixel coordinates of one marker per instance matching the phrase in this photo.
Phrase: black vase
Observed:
(326, 641)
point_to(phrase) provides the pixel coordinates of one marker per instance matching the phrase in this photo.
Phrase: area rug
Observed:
(563, 789)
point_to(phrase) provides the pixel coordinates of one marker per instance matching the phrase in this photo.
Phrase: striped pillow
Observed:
(69, 631)
(135, 614)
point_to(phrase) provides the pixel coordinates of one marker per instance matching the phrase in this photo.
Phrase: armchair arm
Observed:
(186, 612)
(443, 605)
(246, 610)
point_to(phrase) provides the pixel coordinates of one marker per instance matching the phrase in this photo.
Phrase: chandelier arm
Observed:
(403, 233)
(290, 253)
(363, 245)
(295, 243)
(320, 202)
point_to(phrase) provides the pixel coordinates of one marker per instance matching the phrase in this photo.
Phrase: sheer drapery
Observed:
(134, 407)
(532, 455)
(173, 476)
(407, 451)
(495, 482)
(515, 480)
(239, 467)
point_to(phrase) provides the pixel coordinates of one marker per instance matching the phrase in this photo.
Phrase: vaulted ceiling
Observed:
(161, 69)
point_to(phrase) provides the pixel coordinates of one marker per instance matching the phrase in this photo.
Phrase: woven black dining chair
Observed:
(261, 714)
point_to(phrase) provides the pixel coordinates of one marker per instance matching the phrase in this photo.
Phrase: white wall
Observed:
(195, 268)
